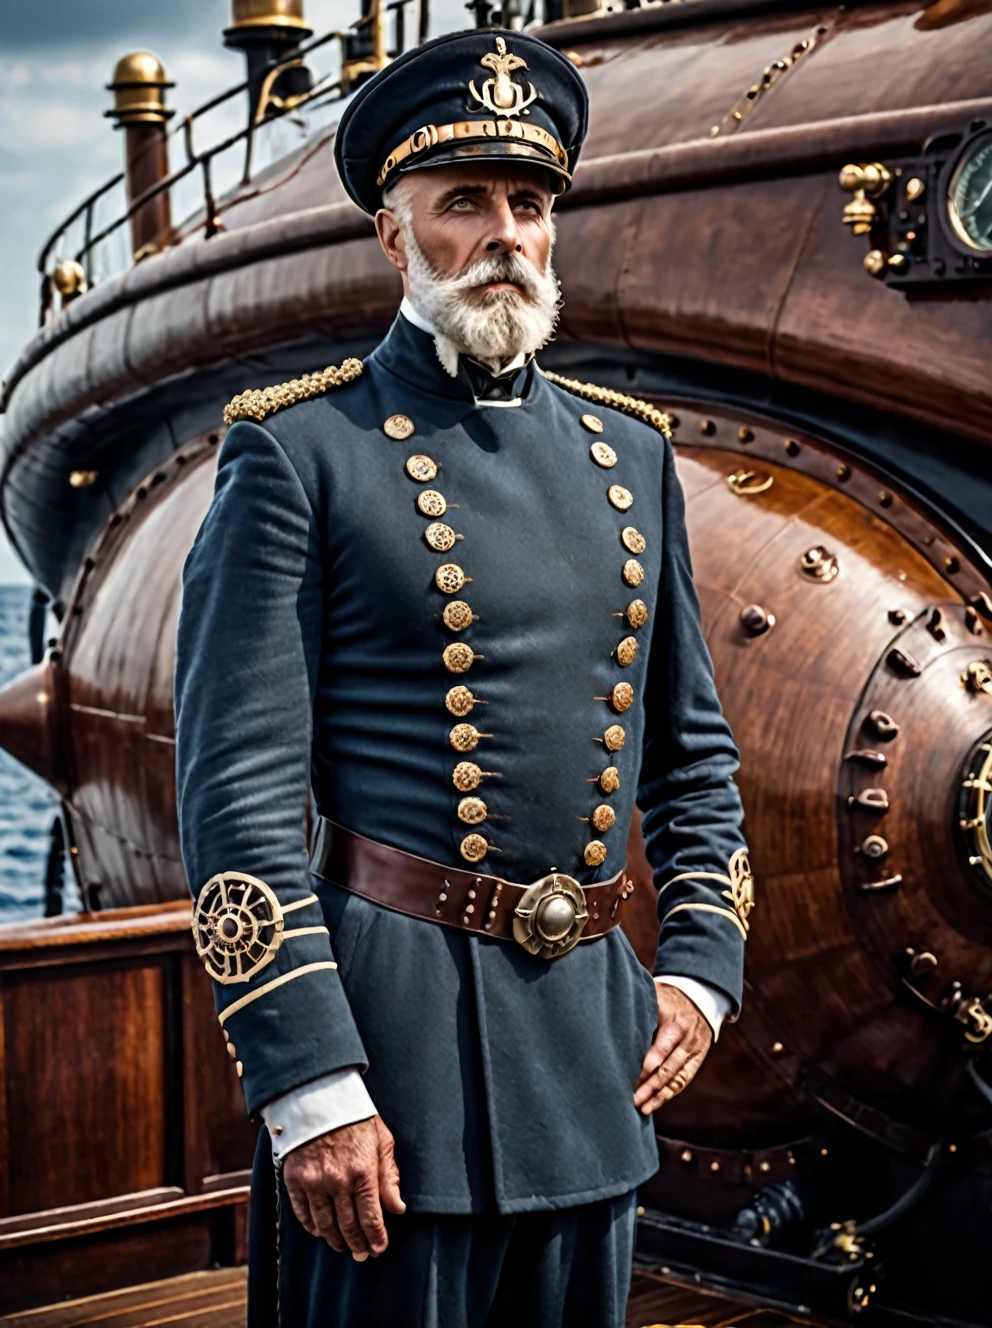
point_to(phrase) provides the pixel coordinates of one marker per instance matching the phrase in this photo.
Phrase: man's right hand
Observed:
(339, 1184)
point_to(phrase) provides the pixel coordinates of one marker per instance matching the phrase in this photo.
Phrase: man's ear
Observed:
(392, 239)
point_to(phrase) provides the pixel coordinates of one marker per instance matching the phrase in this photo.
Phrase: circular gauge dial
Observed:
(969, 201)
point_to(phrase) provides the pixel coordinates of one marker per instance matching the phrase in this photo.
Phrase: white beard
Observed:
(506, 323)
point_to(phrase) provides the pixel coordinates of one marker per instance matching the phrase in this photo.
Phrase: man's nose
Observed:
(504, 237)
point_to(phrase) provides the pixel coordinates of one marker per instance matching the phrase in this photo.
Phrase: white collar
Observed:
(447, 351)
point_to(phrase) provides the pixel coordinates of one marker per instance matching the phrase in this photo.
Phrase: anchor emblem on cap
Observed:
(500, 94)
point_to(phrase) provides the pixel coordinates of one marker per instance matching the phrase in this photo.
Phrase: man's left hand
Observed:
(678, 1050)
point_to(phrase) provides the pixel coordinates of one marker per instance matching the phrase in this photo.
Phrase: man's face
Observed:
(462, 213)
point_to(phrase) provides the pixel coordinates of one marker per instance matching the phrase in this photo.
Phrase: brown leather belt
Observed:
(547, 918)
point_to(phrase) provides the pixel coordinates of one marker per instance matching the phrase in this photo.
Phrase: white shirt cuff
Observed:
(712, 1004)
(336, 1099)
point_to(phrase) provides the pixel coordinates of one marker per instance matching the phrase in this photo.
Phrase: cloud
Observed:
(60, 23)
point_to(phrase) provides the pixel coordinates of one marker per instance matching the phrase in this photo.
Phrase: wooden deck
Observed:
(217, 1300)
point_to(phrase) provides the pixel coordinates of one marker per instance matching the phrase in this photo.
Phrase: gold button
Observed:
(614, 738)
(440, 537)
(637, 613)
(603, 455)
(633, 572)
(458, 657)
(398, 427)
(450, 578)
(626, 651)
(466, 776)
(595, 853)
(593, 424)
(622, 697)
(474, 848)
(457, 615)
(632, 538)
(464, 737)
(609, 780)
(460, 701)
(603, 817)
(620, 497)
(421, 468)
(473, 811)
(432, 503)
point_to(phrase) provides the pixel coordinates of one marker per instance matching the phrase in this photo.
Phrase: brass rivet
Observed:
(745, 434)
(885, 498)
(686, 1155)
(398, 427)
(778, 1048)
(843, 472)
(714, 1166)
(764, 1166)
(952, 565)
(592, 423)
(707, 428)
(791, 447)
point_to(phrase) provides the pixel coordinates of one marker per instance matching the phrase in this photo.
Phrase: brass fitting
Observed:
(70, 280)
(248, 14)
(139, 85)
(865, 181)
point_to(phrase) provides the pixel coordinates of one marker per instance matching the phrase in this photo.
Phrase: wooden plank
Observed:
(198, 1293)
(131, 1217)
(218, 1300)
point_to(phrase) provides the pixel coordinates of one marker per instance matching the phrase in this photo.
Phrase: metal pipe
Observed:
(139, 85)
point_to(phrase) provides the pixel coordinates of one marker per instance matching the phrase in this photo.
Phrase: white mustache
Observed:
(500, 267)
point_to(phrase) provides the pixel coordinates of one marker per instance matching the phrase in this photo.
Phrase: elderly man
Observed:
(420, 593)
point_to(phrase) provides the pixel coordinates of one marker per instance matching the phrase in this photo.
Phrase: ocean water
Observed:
(27, 805)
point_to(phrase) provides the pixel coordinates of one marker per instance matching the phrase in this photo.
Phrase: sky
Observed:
(56, 57)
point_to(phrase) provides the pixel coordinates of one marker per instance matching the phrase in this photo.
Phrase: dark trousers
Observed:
(568, 1268)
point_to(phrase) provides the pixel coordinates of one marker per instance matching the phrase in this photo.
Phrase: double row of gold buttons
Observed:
(621, 695)
(458, 657)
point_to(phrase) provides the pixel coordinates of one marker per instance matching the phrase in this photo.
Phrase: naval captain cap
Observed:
(484, 95)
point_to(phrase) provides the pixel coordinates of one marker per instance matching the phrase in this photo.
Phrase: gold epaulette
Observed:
(259, 404)
(605, 396)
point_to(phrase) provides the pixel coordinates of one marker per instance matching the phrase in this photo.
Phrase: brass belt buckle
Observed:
(550, 917)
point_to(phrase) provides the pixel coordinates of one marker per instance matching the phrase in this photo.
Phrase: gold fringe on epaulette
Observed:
(605, 396)
(259, 404)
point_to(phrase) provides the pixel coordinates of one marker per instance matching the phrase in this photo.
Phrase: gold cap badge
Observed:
(500, 95)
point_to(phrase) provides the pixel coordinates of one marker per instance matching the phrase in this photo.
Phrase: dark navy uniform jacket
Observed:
(310, 654)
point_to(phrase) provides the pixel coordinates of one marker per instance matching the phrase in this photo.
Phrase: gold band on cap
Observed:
(430, 135)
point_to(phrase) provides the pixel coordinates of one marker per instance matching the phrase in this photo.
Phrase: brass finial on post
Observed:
(269, 31)
(139, 85)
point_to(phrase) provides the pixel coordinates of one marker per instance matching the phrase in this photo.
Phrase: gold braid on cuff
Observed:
(237, 926)
(430, 136)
